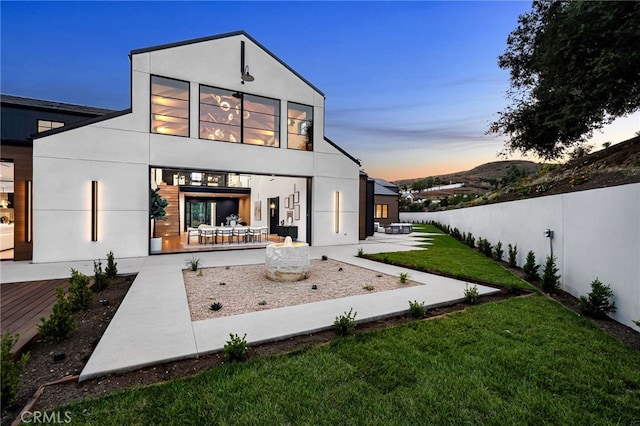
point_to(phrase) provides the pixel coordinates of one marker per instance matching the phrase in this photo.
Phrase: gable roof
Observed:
(218, 37)
(333, 144)
(42, 104)
(386, 184)
(379, 189)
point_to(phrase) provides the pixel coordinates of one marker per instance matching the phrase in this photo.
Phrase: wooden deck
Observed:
(23, 304)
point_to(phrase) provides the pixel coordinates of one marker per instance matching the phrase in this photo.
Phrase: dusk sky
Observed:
(411, 87)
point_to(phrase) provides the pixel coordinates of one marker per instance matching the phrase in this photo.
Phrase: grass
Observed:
(522, 361)
(447, 255)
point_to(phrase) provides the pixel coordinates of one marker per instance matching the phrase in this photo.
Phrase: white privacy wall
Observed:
(596, 235)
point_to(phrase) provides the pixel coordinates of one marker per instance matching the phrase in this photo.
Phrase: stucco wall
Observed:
(596, 235)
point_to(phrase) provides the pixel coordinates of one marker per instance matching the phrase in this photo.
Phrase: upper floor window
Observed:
(219, 115)
(44, 125)
(300, 127)
(169, 106)
(235, 117)
(261, 122)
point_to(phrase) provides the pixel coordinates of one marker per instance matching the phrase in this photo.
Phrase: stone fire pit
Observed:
(287, 261)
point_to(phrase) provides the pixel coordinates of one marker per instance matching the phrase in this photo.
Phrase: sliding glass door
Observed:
(199, 212)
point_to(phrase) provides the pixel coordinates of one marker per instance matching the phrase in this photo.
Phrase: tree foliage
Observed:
(575, 66)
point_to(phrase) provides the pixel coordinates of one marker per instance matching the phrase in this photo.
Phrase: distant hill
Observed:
(618, 164)
(482, 175)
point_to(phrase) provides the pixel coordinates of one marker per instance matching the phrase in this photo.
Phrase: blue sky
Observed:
(410, 87)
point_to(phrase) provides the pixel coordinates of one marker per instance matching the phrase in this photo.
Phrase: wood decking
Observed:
(23, 304)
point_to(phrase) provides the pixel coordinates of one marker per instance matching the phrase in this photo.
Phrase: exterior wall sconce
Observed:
(28, 223)
(94, 210)
(337, 213)
(246, 76)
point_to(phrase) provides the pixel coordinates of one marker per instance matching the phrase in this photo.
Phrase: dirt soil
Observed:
(42, 368)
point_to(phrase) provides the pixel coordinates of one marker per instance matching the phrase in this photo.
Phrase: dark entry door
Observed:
(274, 214)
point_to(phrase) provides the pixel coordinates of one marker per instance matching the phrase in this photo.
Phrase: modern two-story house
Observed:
(223, 128)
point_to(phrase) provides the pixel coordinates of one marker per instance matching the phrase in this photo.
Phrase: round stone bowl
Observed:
(287, 261)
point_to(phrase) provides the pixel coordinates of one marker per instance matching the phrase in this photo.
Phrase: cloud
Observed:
(382, 136)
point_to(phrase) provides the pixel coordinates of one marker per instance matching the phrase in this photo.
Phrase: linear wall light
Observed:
(27, 211)
(337, 218)
(94, 210)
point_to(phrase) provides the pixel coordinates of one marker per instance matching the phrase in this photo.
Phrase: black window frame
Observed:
(308, 144)
(188, 100)
(242, 125)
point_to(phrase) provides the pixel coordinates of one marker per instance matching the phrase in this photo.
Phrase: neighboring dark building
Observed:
(386, 202)
(21, 118)
(366, 206)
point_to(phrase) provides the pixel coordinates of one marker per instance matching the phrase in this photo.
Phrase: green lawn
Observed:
(522, 361)
(447, 255)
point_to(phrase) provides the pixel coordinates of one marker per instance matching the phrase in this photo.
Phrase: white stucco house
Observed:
(221, 126)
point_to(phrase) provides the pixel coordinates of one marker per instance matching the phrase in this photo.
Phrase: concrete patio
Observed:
(153, 324)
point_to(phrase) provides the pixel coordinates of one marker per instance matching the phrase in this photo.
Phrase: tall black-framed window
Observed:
(220, 115)
(299, 127)
(169, 106)
(236, 117)
(261, 121)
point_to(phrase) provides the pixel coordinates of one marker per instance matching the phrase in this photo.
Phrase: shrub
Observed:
(346, 323)
(112, 267)
(530, 268)
(550, 277)
(10, 370)
(80, 295)
(485, 247)
(497, 251)
(417, 309)
(471, 294)
(513, 255)
(368, 287)
(236, 348)
(61, 323)
(403, 277)
(360, 252)
(100, 279)
(215, 306)
(597, 303)
(193, 264)
(470, 241)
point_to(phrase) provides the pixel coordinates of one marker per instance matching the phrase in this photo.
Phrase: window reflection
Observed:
(233, 117)
(300, 127)
(219, 115)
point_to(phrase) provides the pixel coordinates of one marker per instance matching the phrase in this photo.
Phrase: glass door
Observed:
(199, 212)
